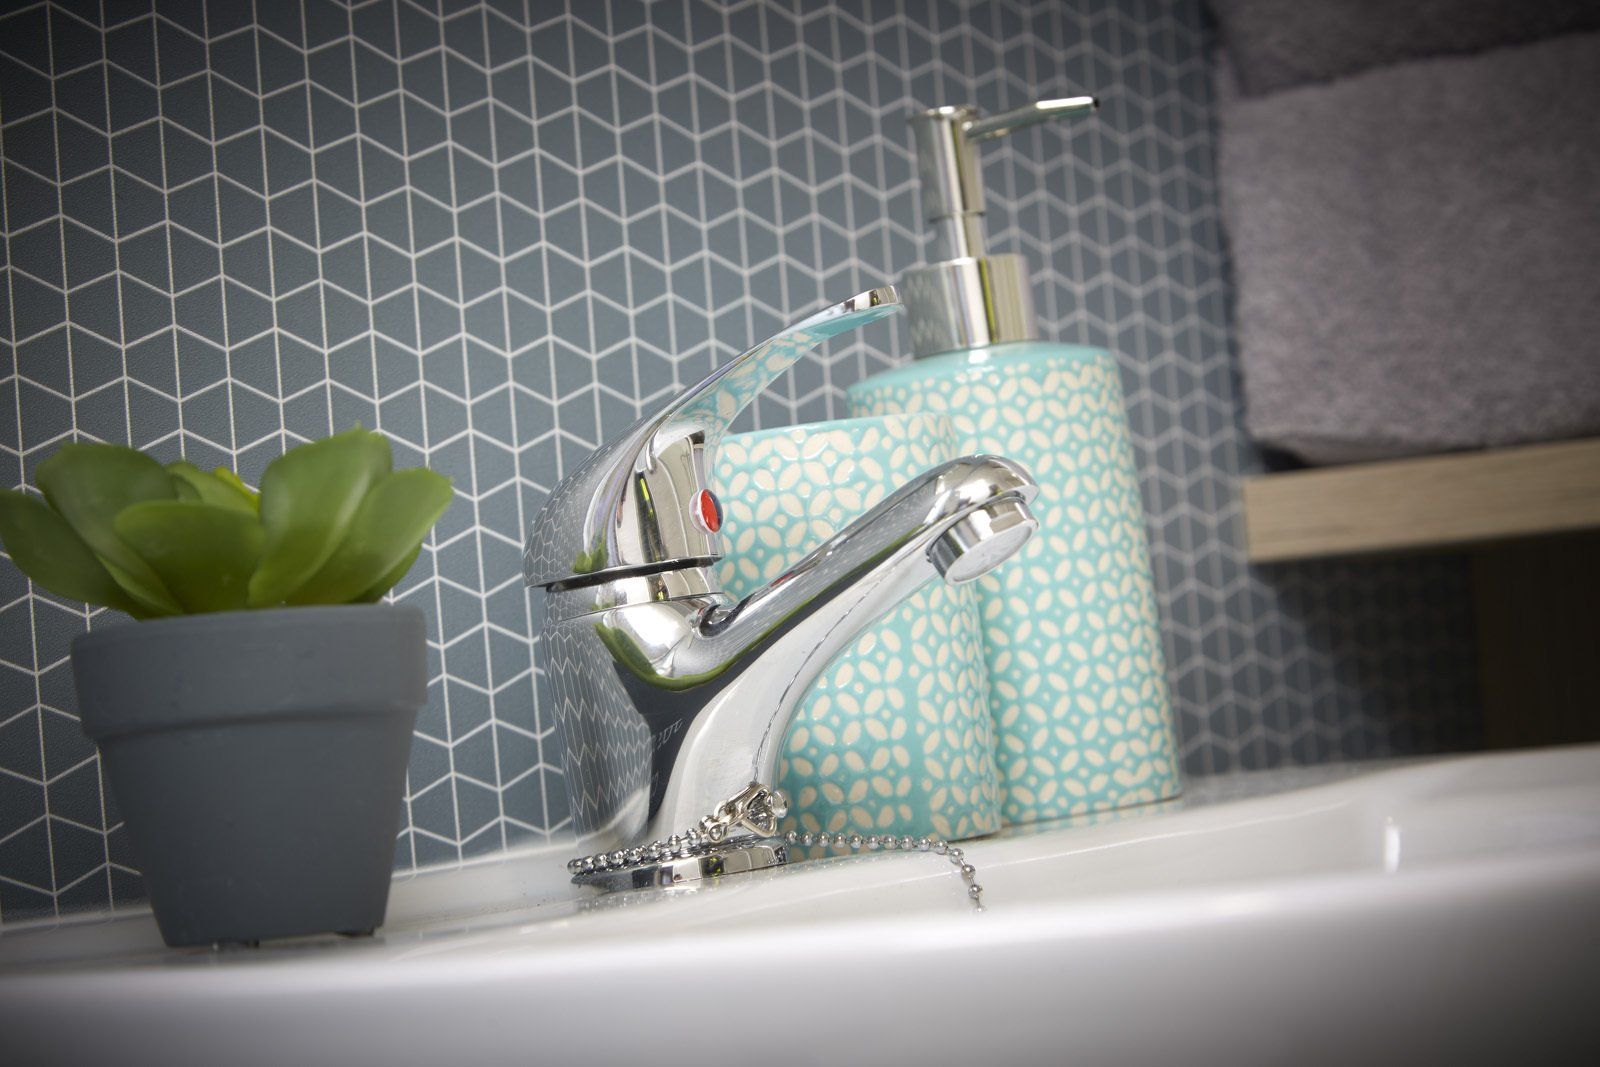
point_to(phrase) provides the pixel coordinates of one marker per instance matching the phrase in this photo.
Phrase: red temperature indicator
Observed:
(708, 511)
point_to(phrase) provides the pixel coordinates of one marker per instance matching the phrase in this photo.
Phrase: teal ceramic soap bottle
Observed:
(1077, 679)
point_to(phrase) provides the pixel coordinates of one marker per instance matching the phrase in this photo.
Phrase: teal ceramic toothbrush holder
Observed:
(895, 736)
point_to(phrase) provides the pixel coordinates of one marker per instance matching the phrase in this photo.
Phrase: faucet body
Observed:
(671, 697)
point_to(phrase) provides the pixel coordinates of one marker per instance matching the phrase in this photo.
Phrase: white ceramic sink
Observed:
(1446, 911)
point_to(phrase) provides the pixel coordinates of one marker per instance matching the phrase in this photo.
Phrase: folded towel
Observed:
(1278, 44)
(1417, 254)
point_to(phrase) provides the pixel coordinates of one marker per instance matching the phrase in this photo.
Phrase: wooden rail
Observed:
(1396, 505)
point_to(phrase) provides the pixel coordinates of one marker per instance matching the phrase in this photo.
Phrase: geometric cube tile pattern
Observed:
(498, 231)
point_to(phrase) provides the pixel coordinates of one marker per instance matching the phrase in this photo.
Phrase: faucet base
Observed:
(735, 857)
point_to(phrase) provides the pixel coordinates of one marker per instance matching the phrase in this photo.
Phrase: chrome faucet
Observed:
(673, 699)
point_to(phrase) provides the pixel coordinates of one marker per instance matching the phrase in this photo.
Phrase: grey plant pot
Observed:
(259, 760)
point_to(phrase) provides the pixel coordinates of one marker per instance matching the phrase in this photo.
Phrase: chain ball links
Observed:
(713, 830)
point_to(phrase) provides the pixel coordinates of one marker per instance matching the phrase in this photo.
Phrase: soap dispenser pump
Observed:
(965, 298)
(1072, 637)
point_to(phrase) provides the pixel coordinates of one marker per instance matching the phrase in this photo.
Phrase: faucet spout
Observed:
(718, 682)
(958, 520)
(670, 697)
(858, 575)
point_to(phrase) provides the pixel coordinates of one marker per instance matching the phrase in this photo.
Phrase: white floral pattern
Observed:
(1077, 679)
(896, 735)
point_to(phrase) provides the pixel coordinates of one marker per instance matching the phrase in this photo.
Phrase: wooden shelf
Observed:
(1397, 505)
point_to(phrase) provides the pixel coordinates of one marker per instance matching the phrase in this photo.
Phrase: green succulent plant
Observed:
(332, 524)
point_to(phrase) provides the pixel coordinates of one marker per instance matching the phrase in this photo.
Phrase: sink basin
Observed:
(1434, 911)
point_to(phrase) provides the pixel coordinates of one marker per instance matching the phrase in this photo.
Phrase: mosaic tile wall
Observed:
(498, 230)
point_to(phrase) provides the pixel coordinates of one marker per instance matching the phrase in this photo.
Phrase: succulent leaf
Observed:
(332, 525)
(210, 488)
(374, 593)
(205, 553)
(387, 531)
(309, 495)
(228, 477)
(51, 553)
(89, 485)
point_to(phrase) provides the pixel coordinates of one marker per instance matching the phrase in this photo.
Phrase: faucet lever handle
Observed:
(642, 502)
(711, 405)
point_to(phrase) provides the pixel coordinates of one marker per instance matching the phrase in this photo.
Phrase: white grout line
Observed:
(313, 147)
(462, 342)
(426, 444)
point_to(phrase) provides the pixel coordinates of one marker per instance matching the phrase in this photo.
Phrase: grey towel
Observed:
(1417, 253)
(1278, 44)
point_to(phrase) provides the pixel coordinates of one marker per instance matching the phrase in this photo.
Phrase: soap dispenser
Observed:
(1077, 679)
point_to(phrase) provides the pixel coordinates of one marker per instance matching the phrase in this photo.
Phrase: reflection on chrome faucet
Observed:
(672, 697)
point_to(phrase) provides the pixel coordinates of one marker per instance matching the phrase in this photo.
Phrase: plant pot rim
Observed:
(228, 668)
(214, 621)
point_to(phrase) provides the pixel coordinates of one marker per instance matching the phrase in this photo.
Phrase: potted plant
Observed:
(255, 724)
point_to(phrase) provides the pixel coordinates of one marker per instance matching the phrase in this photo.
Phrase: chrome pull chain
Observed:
(888, 843)
(758, 808)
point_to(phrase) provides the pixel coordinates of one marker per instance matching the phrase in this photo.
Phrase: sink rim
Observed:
(442, 909)
(1481, 960)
